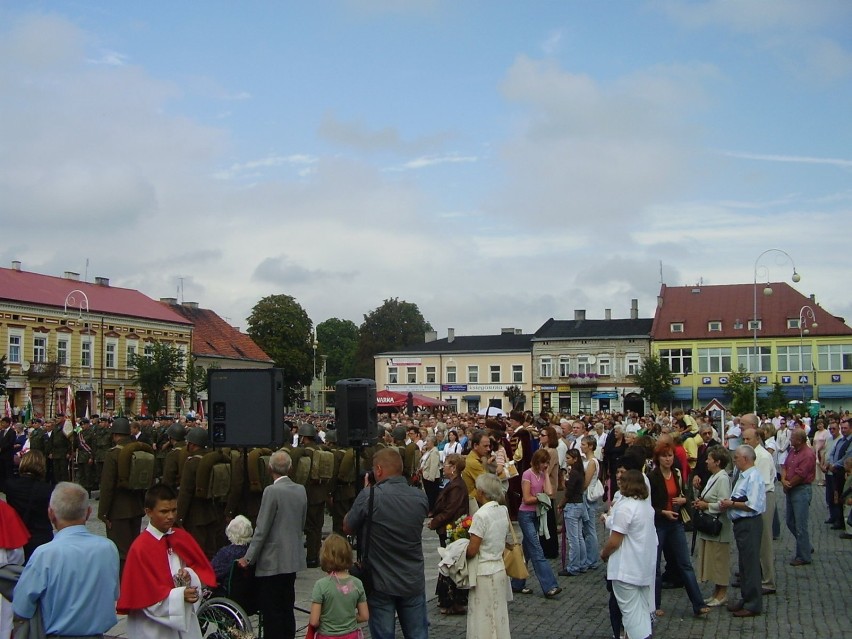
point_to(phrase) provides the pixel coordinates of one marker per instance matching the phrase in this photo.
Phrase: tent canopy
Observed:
(394, 399)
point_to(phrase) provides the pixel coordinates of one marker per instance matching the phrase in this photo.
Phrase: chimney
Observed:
(507, 331)
(71, 275)
(102, 281)
(579, 315)
(607, 313)
(451, 335)
(431, 336)
(634, 308)
(16, 265)
(812, 297)
(192, 305)
(168, 300)
(659, 301)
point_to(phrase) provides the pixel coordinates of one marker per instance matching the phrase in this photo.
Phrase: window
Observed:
(634, 363)
(86, 354)
(517, 373)
(495, 373)
(676, 327)
(738, 324)
(393, 375)
(759, 363)
(835, 357)
(604, 365)
(583, 366)
(546, 367)
(39, 349)
(679, 360)
(62, 351)
(411, 375)
(564, 366)
(473, 374)
(132, 345)
(795, 358)
(16, 338)
(755, 324)
(110, 351)
(451, 374)
(714, 360)
(149, 351)
(793, 322)
(430, 375)
(714, 327)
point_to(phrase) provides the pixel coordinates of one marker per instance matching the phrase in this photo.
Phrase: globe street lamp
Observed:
(804, 313)
(767, 291)
(82, 302)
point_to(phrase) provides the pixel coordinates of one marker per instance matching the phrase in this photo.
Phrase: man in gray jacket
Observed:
(277, 548)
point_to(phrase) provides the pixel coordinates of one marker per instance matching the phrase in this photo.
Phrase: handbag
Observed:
(362, 569)
(595, 490)
(706, 523)
(513, 558)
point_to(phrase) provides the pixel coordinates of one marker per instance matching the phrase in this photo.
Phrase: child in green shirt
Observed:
(338, 601)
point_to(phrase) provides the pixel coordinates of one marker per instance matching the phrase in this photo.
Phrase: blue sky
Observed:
(498, 163)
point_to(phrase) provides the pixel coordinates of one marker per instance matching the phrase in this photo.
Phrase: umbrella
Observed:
(489, 411)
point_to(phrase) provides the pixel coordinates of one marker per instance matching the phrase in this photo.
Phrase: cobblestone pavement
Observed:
(812, 601)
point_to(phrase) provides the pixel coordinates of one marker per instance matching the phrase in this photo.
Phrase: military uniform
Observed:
(57, 448)
(344, 489)
(242, 500)
(84, 457)
(120, 509)
(101, 443)
(173, 464)
(198, 515)
(37, 438)
(318, 493)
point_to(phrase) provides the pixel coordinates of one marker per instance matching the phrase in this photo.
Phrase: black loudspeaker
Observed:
(246, 407)
(355, 412)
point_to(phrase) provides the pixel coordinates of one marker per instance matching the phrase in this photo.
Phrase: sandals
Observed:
(523, 591)
(550, 594)
(701, 612)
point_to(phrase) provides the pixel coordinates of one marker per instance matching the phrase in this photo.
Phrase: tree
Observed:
(282, 328)
(49, 372)
(391, 326)
(777, 398)
(516, 396)
(655, 379)
(4, 375)
(338, 340)
(158, 369)
(196, 379)
(741, 392)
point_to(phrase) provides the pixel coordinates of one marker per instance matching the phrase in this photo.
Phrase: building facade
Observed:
(468, 372)
(704, 333)
(585, 365)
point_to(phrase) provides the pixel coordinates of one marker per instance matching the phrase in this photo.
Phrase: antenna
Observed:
(661, 273)
(180, 288)
(86, 272)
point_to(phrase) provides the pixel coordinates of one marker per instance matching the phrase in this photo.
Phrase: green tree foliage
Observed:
(655, 379)
(282, 328)
(740, 391)
(337, 340)
(392, 325)
(157, 372)
(196, 379)
(4, 375)
(516, 396)
(777, 398)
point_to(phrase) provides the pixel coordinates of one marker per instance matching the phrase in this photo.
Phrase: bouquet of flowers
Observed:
(460, 528)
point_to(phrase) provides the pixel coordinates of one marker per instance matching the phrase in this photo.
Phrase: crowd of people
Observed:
(650, 480)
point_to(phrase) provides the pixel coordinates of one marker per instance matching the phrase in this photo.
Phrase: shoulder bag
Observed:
(595, 490)
(705, 522)
(513, 557)
(361, 568)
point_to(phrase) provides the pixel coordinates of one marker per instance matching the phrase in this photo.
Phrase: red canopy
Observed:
(394, 399)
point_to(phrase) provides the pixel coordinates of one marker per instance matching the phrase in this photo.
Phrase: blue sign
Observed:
(453, 388)
(676, 381)
(763, 379)
(803, 379)
(548, 387)
(706, 380)
(786, 379)
(723, 380)
(835, 378)
(746, 380)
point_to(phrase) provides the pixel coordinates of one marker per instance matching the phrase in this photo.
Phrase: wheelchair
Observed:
(224, 613)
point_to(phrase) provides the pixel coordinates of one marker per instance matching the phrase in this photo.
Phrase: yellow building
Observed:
(704, 333)
(58, 332)
(468, 372)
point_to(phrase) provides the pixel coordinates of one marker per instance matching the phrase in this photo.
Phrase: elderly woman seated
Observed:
(239, 533)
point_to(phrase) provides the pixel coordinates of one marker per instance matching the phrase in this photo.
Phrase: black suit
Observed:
(30, 497)
(7, 454)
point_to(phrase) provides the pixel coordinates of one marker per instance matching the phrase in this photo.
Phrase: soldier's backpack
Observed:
(213, 476)
(258, 469)
(322, 466)
(346, 471)
(301, 470)
(136, 466)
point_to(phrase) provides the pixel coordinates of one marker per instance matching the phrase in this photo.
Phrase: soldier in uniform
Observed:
(84, 455)
(57, 449)
(343, 489)
(37, 435)
(198, 515)
(175, 456)
(161, 443)
(101, 443)
(318, 493)
(120, 509)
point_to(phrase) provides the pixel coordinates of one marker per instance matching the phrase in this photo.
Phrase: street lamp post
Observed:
(804, 313)
(767, 291)
(314, 345)
(73, 300)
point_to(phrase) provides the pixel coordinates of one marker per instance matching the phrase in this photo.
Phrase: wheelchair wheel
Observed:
(221, 618)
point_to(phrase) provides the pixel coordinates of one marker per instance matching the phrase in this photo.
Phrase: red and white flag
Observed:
(7, 410)
(200, 410)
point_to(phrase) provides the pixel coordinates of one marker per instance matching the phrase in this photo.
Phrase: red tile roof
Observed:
(730, 304)
(47, 290)
(214, 337)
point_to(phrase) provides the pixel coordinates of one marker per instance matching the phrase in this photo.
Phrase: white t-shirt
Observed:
(632, 562)
(491, 524)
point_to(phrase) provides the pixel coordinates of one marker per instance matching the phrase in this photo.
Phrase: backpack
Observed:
(258, 469)
(213, 476)
(322, 466)
(136, 466)
(301, 470)
(346, 471)
(220, 481)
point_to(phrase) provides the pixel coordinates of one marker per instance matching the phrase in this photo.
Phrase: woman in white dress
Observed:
(487, 609)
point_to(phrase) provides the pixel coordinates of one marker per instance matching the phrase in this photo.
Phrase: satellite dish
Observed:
(25, 366)
(591, 359)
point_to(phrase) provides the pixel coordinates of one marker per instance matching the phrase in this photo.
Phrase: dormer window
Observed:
(755, 325)
(793, 323)
(714, 327)
(676, 327)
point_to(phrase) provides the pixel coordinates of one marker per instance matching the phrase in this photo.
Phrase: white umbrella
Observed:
(492, 410)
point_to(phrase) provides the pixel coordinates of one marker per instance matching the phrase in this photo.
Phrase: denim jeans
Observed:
(410, 610)
(798, 505)
(573, 516)
(528, 522)
(670, 535)
(590, 533)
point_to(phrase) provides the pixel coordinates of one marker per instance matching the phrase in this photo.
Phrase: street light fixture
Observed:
(805, 312)
(73, 300)
(767, 291)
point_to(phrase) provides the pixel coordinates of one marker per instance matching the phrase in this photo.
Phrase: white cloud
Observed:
(359, 136)
(250, 168)
(795, 159)
(434, 160)
(552, 43)
(110, 58)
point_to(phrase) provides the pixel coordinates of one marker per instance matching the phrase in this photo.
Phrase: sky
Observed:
(497, 163)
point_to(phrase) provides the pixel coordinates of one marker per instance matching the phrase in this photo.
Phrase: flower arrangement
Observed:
(460, 528)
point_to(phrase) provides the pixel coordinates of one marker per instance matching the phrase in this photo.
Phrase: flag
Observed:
(200, 410)
(182, 406)
(87, 409)
(7, 411)
(28, 411)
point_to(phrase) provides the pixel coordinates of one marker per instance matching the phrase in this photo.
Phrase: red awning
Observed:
(394, 399)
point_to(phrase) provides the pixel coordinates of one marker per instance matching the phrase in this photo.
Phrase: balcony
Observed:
(583, 379)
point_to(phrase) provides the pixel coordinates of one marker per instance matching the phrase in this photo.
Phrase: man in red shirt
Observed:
(797, 475)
